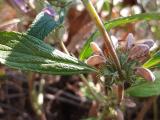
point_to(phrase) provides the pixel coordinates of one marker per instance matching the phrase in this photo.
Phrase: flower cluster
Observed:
(131, 57)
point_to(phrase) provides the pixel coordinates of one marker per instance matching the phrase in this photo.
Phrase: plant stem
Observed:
(33, 98)
(64, 47)
(110, 9)
(94, 94)
(107, 41)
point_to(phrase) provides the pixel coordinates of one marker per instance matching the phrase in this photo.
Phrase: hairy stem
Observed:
(107, 41)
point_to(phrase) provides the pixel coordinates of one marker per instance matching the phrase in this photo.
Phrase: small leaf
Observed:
(146, 89)
(26, 52)
(86, 51)
(43, 24)
(153, 61)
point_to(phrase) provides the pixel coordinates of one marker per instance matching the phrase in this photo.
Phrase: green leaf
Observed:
(43, 25)
(157, 66)
(26, 52)
(145, 88)
(86, 51)
(153, 61)
(125, 20)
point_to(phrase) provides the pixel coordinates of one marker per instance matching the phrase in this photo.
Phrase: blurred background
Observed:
(65, 97)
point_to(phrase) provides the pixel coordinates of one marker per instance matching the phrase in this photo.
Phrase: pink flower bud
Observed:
(149, 42)
(114, 41)
(95, 60)
(95, 48)
(145, 73)
(130, 41)
(139, 50)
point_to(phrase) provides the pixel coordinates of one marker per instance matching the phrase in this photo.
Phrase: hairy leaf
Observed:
(43, 25)
(86, 51)
(26, 52)
(145, 88)
(154, 61)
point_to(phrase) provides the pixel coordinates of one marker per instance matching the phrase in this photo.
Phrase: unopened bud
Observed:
(145, 73)
(95, 48)
(149, 42)
(95, 60)
(130, 41)
(138, 50)
(114, 41)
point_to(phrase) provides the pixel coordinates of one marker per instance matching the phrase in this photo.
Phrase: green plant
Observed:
(27, 51)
